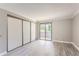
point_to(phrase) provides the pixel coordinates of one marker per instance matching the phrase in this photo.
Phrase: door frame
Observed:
(8, 15)
(7, 32)
(45, 30)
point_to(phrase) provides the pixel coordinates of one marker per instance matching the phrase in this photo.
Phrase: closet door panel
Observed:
(26, 32)
(14, 33)
(33, 31)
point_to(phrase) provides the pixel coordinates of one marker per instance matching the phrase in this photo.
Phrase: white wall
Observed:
(37, 30)
(62, 30)
(3, 32)
(76, 30)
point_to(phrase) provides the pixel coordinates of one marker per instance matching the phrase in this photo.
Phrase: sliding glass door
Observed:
(42, 31)
(46, 31)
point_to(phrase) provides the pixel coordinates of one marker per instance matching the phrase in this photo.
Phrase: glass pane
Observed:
(48, 31)
(42, 31)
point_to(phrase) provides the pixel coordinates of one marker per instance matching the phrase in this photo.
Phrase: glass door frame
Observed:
(45, 30)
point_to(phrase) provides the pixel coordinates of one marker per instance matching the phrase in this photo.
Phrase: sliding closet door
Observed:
(33, 31)
(14, 33)
(26, 32)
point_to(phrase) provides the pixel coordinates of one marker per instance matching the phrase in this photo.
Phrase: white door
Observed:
(26, 32)
(33, 31)
(14, 33)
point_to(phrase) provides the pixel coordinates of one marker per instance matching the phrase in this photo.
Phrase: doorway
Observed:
(46, 31)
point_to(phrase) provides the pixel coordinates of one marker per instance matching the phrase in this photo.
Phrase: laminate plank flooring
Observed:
(45, 48)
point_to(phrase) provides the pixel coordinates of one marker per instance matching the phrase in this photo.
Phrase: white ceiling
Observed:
(38, 11)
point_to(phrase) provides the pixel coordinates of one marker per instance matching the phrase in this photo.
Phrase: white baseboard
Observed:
(1, 54)
(62, 41)
(68, 43)
(75, 46)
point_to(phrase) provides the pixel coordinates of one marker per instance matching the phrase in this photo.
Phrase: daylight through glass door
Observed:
(46, 31)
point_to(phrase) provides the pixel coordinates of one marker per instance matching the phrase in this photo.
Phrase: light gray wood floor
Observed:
(45, 48)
